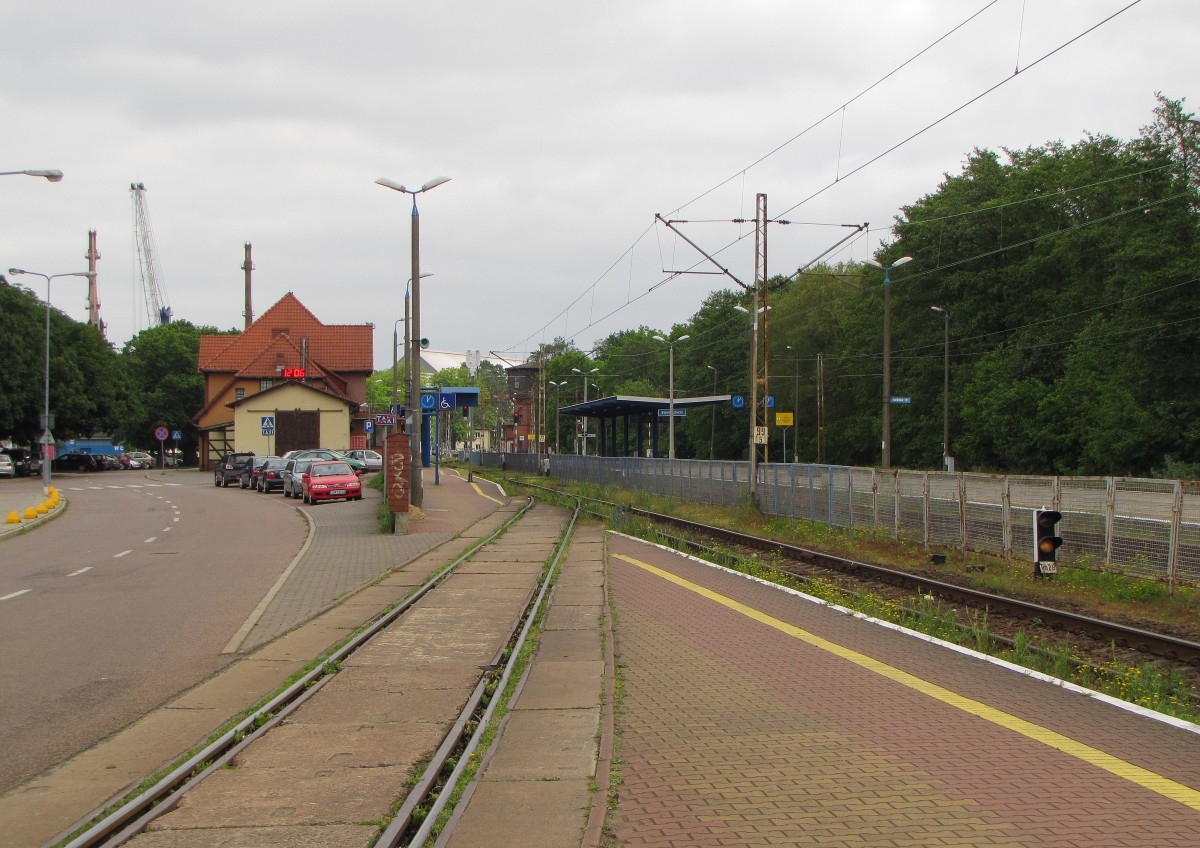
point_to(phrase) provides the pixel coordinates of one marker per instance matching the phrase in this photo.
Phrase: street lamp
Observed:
(396, 342)
(586, 378)
(557, 406)
(417, 495)
(887, 354)
(712, 429)
(947, 460)
(671, 392)
(52, 176)
(47, 439)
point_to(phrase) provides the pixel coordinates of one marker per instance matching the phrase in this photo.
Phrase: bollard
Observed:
(13, 518)
(41, 509)
(30, 514)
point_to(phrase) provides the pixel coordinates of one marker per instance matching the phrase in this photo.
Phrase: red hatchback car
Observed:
(330, 481)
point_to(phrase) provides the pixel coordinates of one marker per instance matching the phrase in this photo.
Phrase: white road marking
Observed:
(14, 594)
(176, 518)
(121, 554)
(80, 571)
(148, 541)
(166, 529)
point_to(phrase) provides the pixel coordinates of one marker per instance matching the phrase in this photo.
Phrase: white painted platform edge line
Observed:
(248, 624)
(1180, 723)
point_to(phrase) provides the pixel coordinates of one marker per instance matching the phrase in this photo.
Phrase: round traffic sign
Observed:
(161, 433)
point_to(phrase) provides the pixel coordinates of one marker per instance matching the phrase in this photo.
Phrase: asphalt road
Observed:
(125, 601)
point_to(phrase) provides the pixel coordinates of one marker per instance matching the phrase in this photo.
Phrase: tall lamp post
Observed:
(52, 176)
(557, 406)
(47, 439)
(587, 377)
(395, 344)
(712, 427)
(671, 391)
(417, 494)
(887, 353)
(947, 460)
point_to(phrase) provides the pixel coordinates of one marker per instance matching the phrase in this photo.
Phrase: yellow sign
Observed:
(783, 419)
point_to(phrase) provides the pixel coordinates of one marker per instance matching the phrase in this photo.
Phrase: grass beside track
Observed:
(1101, 594)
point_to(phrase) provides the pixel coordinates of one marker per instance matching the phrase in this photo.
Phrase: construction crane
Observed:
(158, 312)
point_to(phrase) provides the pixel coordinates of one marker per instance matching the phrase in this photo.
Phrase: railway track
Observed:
(1169, 648)
(413, 820)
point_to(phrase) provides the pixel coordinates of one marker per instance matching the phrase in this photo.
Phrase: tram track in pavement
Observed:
(124, 818)
(1096, 639)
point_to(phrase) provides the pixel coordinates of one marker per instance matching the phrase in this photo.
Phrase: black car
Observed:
(229, 468)
(270, 475)
(248, 479)
(24, 461)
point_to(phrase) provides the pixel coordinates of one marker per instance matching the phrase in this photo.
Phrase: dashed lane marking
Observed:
(148, 541)
(121, 554)
(80, 571)
(14, 594)
(1113, 765)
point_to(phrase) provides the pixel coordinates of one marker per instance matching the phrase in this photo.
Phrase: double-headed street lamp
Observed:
(671, 391)
(947, 461)
(52, 176)
(395, 344)
(557, 406)
(887, 353)
(587, 376)
(417, 495)
(47, 439)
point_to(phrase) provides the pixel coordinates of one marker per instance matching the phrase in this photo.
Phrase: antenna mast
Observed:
(157, 310)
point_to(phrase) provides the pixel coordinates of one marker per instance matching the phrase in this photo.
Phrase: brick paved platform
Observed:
(782, 722)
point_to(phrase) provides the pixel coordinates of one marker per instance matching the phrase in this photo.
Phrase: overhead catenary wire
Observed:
(868, 163)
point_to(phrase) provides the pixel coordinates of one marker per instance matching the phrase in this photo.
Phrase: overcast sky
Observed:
(564, 126)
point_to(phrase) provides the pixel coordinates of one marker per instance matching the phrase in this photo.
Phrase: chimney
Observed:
(248, 267)
(93, 291)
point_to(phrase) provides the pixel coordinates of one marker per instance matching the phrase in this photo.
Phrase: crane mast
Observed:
(158, 312)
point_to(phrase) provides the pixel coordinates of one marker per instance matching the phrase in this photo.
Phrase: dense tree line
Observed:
(95, 390)
(1070, 277)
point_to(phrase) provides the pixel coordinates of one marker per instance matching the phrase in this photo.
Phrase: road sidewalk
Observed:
(346, 575)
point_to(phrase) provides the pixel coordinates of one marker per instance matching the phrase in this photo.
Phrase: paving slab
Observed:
(317, 836)
(547, 744)
(523, 814)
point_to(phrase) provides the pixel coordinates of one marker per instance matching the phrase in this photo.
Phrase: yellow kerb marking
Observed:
(1135, 774)
(475, 486)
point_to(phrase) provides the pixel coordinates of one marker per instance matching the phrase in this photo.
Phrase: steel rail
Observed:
(396, 833)
(1162, 645)
(133, 815)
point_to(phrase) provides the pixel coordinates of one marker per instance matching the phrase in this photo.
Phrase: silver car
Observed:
(293, 485)
(372, 460)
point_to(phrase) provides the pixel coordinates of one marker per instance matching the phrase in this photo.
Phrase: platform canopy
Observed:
(616, 406)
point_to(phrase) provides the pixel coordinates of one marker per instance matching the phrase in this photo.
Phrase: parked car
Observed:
(293, 482)
(369, 458)
(7, 468)
(248, 479)
(332, 456)
(270, 474)
(25, 462)
(229, 468)
(137, 459)
(110, 462)
(76, 462)
(329, 481)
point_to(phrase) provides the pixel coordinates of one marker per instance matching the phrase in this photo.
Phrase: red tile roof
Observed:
(345, 348)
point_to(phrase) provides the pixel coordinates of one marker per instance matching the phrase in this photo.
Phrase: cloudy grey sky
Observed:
(564, 127)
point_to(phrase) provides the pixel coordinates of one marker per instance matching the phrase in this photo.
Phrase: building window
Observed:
(265, 384)
(238, 394)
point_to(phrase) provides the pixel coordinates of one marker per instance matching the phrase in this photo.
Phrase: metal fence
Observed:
(1141, 527)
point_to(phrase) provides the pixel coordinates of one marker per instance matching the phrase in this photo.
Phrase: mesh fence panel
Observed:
(1142, 527)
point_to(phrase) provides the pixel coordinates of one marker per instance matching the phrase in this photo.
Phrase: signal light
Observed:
(516, 416)
(1045, 539)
